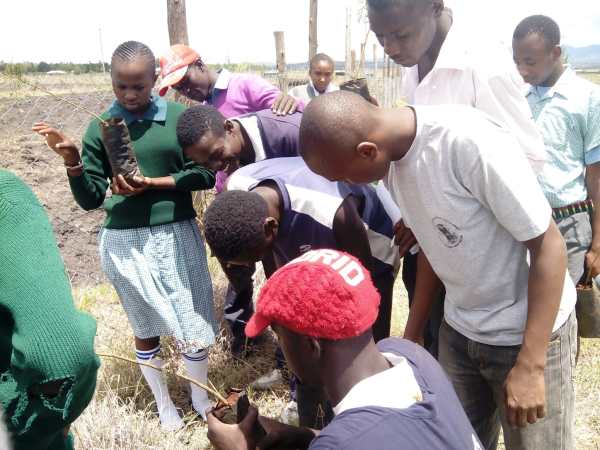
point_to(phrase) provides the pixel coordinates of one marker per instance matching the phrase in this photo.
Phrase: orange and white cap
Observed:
(174, 65)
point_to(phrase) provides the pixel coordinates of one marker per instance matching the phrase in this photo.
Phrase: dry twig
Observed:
(214, 392)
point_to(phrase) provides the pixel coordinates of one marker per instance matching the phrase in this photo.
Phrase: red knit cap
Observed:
(324, 294)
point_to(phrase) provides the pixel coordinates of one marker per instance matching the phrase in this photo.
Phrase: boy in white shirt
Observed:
(446, 63)
(466, 190)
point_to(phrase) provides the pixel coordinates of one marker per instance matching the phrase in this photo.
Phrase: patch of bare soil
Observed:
(27, 155)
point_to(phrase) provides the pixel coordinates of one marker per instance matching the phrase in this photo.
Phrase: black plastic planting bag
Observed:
(358, 86)
(588, 311)
(117, 143)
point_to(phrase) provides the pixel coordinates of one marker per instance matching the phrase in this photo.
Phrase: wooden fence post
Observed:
(375, 60)
(177, 22)
(348, 67)
(361, 64)
(280, 58)
(313, 44)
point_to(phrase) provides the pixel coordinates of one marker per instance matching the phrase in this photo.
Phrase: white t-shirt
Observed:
(472, 70)
(471, 199)
(395, 387)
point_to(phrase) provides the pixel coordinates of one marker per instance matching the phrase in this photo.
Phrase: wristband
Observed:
(78, 166)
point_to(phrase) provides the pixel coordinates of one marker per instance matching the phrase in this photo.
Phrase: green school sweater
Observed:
(43, 337)
(159, 155)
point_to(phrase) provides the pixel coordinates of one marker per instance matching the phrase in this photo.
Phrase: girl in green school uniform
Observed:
(150, 245)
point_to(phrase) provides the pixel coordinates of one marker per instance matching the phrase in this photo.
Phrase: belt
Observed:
(574, 208)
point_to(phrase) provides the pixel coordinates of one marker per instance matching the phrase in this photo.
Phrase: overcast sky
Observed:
(241, 30)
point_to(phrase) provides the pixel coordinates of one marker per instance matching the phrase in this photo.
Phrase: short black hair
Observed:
(321, 57)
(380, 5)
(132, 50)
(337, 120)
(541, 25)
(196, 121)
(234, 223)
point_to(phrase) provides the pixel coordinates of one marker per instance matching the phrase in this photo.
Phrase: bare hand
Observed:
(232, 437)
(130, 187)
(284, 104)
(58, 142)
(279, 435)
(525, 395)
(404, 238)
(592, 261)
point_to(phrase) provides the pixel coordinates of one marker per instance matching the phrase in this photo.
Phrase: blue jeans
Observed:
(478, 373)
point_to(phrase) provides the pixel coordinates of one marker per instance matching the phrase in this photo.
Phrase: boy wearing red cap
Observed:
(390, 395)
(277, 209)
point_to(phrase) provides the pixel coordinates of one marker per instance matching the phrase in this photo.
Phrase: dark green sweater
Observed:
(43, 337)
(159, 155)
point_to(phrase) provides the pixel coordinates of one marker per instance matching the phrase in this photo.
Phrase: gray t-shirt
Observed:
(471, 199)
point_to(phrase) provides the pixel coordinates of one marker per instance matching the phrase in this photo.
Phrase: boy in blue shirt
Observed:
(566, 109)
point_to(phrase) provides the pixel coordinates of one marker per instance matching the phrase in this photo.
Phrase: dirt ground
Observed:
(27, 155)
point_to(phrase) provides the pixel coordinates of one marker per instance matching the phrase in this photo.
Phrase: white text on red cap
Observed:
(350, 271)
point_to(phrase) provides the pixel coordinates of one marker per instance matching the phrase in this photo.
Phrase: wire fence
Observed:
(21, 105)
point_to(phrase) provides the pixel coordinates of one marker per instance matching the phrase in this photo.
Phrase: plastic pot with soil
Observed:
(234, 409)
(119, 149)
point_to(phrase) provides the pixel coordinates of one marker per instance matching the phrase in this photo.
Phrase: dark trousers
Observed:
(478, 373)
(238, 300)
(432, 328)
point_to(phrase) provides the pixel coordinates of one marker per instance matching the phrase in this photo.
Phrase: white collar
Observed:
(250, 125)
(395, 388)
(331, 87)
(223, 79)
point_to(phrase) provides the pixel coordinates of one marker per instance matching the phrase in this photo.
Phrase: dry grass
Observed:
(592, 76)
(121, 416)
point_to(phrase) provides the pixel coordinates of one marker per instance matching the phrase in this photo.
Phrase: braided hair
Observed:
(130, 51)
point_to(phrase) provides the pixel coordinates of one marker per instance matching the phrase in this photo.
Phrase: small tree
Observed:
(43, 67)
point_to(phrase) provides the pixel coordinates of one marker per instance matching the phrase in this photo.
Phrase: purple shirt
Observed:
(237, 94)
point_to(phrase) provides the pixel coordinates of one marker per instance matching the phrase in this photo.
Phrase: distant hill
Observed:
(583, 57)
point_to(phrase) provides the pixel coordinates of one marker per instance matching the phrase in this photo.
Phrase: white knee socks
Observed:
(169, 417)
(196, 365)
